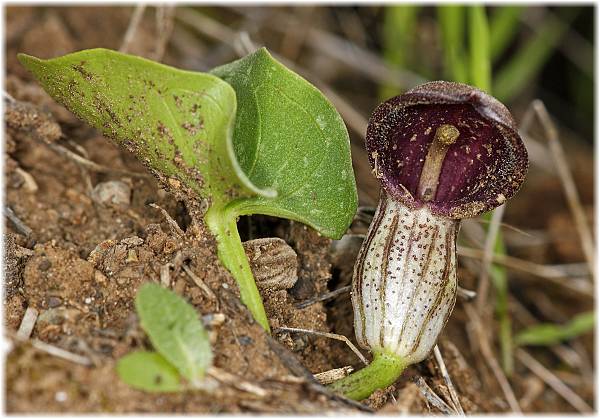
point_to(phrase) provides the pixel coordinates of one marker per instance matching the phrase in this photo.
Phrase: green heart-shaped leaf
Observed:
(179, 123)
(289, 137)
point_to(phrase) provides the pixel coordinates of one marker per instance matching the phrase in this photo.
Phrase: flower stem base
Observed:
(382, 372)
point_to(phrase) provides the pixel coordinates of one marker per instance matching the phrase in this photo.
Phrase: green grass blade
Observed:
(452, 22)
(504, 24)
(480, 67)
(399, 24)
(552, 334)
(481, 76)
(527, 62)
(499, 278)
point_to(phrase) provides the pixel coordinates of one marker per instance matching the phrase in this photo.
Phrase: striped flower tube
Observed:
(443, 152)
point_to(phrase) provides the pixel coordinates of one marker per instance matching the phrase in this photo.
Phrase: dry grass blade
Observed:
(553, 381)
(433, 398)
(326, 335)
(132, 28)
(323, 297)
(488, 255)
(90, 165)
(349, 53)
(549, 272)
(491, 360)
(328, 377)
(165, 17)
(222, 33)
(19, 225)
(568, 183)
(8, 97)
(60, 353)
(84, 172)
(165, 275)
(235, 381)
(453, 394)
(557, 154)
(504, 225)
(27, 323)
(55, 351)
(205, 289)
(466, 294)
(172, 223)
(205, 25)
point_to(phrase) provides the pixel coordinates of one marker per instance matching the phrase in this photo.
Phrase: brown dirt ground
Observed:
(83, 263)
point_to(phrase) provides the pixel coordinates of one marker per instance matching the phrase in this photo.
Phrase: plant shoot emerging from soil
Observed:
(252, 137)
(443, 151)
(176, 332)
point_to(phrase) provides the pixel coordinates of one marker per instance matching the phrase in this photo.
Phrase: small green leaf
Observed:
(149, 371)
(552, 334)
(174, 329)
(289, 137)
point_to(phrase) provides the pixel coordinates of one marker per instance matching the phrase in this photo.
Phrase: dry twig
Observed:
(172, 223)
(491, 360)
(328, 377)
(549, 272)
(451, 389)
(433, 398)
(132, 28)
(90, 165)
(327, 335)
(207, 291)
(27, 323)
(19, 225)
(553, 381)
(164, 25)
(566, 178)
(235, 381)
(55, 351)
(323, 297)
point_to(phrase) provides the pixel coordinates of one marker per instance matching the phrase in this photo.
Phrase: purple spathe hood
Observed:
(484, 167)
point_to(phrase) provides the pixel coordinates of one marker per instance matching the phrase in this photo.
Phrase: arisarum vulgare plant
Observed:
(443, 152)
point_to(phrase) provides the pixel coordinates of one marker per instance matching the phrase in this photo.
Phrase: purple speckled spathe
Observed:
(484, 167)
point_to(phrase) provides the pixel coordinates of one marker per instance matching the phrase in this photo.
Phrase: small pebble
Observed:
(60, 396)
(245, 340)
(115, 194)
(54, 302)
(44, 265)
